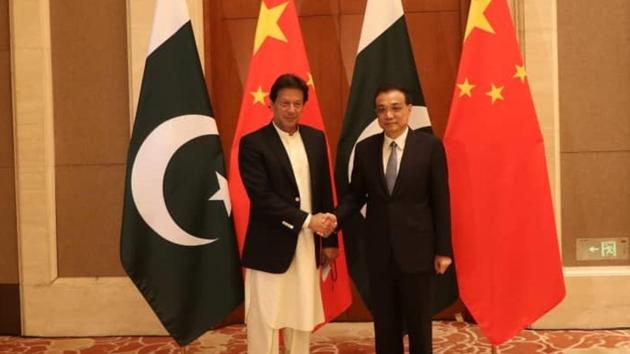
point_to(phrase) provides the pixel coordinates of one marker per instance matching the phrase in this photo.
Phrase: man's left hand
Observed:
(442, 263)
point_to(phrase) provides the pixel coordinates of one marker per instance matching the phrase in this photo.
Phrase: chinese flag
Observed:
(279, 49)
(504, 234)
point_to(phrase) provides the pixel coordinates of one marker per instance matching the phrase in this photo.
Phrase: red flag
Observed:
(279, 49)
(504, 234)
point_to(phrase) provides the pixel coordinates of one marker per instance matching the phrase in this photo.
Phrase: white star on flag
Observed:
(223, 193)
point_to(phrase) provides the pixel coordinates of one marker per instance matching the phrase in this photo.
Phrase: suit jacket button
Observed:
(297, 199)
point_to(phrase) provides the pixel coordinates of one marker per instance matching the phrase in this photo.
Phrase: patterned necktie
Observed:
(392, 164)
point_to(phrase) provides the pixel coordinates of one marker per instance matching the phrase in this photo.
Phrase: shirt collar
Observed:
(400, 141)
(284, 134)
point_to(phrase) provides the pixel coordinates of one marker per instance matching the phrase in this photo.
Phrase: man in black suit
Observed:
(285, 170)
(407, 223)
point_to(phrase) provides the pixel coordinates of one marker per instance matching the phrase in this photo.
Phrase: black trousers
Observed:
(398, 297)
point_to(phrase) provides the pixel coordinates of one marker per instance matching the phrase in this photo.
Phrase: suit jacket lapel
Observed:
(278, 149)
(377, 151)
(409, 147)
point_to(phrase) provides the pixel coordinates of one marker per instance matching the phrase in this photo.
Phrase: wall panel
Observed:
(90, 219)
(596, 201)
(350, 31)
(91, 110)
(9, 277)
(594, 51)
(594, 79)
(436, 51)
(317, 8)
(69, 201)
(412, 6)
(325, 61)
(8, 237)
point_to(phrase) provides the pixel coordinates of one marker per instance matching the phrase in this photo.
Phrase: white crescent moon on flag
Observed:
(419, 118)
(149, 168)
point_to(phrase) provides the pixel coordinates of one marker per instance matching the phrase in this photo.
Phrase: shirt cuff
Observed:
(306, 222)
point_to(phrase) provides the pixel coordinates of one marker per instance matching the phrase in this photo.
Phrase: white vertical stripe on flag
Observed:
(379, 15)
(170, 16)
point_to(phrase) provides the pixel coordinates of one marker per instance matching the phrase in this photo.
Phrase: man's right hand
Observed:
(323, 224)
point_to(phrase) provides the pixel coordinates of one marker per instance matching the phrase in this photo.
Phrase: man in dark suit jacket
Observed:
(407, 222)
(285, 170)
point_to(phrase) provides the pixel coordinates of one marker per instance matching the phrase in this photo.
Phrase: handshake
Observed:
(323, 224)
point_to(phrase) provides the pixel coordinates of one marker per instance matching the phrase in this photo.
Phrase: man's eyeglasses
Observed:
(394, 109)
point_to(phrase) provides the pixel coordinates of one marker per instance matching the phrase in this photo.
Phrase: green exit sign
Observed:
(602, 249)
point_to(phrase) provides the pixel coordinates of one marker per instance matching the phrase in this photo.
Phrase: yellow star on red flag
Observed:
(465, 88)
(495, 93)
(477, 18)
(268, 24)
(520, 72)
(259, 95)
(310, 82)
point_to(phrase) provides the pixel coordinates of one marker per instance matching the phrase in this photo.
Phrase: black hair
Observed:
(288, 81)
(393, 87)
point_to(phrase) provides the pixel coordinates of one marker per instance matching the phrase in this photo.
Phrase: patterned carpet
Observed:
(342, 338)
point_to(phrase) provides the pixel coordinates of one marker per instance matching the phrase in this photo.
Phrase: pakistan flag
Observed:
(177, 242)
(384, 57)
